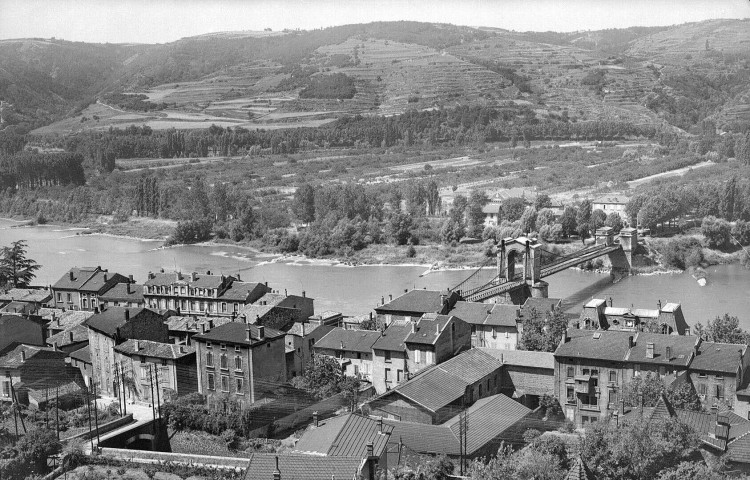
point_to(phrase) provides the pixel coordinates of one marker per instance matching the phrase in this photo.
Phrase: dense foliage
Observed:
(649, 388)
(333, 86)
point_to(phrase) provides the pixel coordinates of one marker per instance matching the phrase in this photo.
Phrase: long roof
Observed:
(303, 467)
(82, 354)
(611, 345)
(200, 281)
(393, 338)
(69, 319)
(239, 291)
(439, 385)
(119, 293)
(416, 301)
(428, 329)
(15, 358)
(236, 333)
(148, 348)
(681, 345)
(88, 279)
(191, 323)
(522, 358)
(113, 318)
(718, 357)
(348, 340)
(30, 295)
(345, 435)
(80, 333)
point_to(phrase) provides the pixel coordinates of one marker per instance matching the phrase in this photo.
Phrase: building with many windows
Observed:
(80, 288)
(351, 348)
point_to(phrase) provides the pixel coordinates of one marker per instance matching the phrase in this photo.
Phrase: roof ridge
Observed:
(738, 437)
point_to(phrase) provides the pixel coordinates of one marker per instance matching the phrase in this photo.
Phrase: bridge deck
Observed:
(493, 291)
(577, 258)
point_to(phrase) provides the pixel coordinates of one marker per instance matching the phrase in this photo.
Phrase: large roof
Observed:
(439, 385)
(612, 200)
(239, 291)
(393, 337)
(23, 353)
(191, 323)
(88, 279)
(541, 305)
(195, 280)
(718, 357)
(682, 349)
(236, 333)
(83, 354)
(346, 435)
(77, 334)
(348, 340)
(425, 438)
(474, 313)
(522, 358)
(112, 318)
(69, 319)
(261, 466)
(416, 301)
(428, 329)
(148, 348)
(29, 295)
(611, 345)
(119, 293)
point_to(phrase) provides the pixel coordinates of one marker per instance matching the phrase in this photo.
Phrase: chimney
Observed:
(57, 320)
(261, 332)
(70, 335)
(650, 350)
(193, 276)
(127, 288)
(257, 318)
(248, 337)
(243, 317)
(437, 328)
(382, 300)
(238, 277)
(266, 283)
(182, 348)
(285, 293)
(130, 278)
(669, 353)
(565, 336)
(413, 327)
(315, 419)
(610, 301)
(210, 323)
(127, 314)
(631, 342)
(276, 471)
(137, 346)
(342, 344)
(208, 272)
(161, 270)
(105, 278)
(390, 297)
(380, 424)
(304, 295)
(370, 450)
(203, 328)
(23, 355)
(55, 347)
(71, 275)
(96, 310)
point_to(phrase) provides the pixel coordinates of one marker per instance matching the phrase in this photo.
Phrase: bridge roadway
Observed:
(492, 289)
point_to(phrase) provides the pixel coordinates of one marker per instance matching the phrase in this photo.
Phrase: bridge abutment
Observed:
(540, 289)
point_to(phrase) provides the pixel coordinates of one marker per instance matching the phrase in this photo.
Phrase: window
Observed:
(637, 368)
(387, 356)
(473, 329)
(719, 376)
(571, 395)
(211, 382)
(164, 362)
(428, 356)
(238, 363)
(223, 307)
(85, 303)
(59, 297)
(587, 371)
(224, 383)
(359, 355)
(507, 334)
(239, 385)
(571, 372)
(223, 346)
(70, 299)
(237, 348)
(701, 375)
(193, 305)
(613, 398)
(387, 374)
(480, 390)
(418, 356)
(203, 306)
(494, 332)
(720, 392)
(613, 376)
(594, 373)
(209, 359)
(399, 375)
(702, 389)
(224, 362)
(6, 389)
(236, 306)
(208, 344)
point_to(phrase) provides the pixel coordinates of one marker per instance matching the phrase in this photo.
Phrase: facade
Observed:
(329, 317)
(80, 288)
(434, 339)
(415, 303)
(492, 325)
(667, 318)
(183, 327)
(239, 362)
(300, 341)
(526, 376)
(110, 328)
(719, 371)
(199, 294)
(612, 203)
(151, 365)
(492, 214)
(351, 348)
(31, 364)
(81, 359)
(303, 304)
(390, 356)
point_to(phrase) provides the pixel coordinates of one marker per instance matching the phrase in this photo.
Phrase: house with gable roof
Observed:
(80, 288)
(493, 325)
(300, 342)
(435, 338)
(667, 318)
(719, 372)
(415, 303)
(351, 348)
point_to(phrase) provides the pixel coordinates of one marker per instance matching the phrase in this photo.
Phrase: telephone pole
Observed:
(88, 407)
(57, 411)
(96, 413)
(158, 400)
(122, 382)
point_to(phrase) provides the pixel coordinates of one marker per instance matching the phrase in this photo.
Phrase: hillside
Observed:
(308, 78)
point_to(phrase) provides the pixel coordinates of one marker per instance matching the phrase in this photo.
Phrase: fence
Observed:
(144, 456)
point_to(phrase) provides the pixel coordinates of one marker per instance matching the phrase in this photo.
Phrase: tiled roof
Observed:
(148, 348)
(416, 301)
(201, 281)
(80, 276)
(69, 319)
(46, 388)
(612, 199)
(83, 354)
(439, 385)
(540, 304)
(428, 329)
(102, 279)
(15, 358)
(738, 449)
(17, 307)
(301, 329)
(490, 418)
(191, 323)
(425, 438)
(111, 319)
(681, 345)
(253, 312)
(492, 208)
(303, 467)
(279, 298)
(31, 295)
(349, 340)
(119, 293)
(239, 291)
(718, 357)
(608, 345)
(579, 471)
(80, 334)
(393, 337)
(503, 316)
(345, 436)
(236, 333)
(522, 358)
(473, 313)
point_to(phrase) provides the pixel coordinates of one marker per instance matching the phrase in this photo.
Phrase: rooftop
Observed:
(492, 208)
(195, 280)
(75, 278)
(83, 354)
(240, 291)
(611, 345)
(428, 329)
(112, 318)
(522, 358)
(718, 357)
(80, 333)
(416, 301)
(236, 333)
(191, 323)
(31, 295)
(348, 340)
(303, 467)
(393, 338)
(612, 199)
(24, 352)
(148, 348)
(68, 319)
(491, 417)
(681, 348)
(123, 292)
(345, 435)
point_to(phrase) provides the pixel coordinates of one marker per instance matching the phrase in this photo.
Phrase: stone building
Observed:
(80, 288)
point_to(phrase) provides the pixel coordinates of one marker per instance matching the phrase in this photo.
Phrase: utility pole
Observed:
(96, 413)
(122, 382)
(88, 406)
(57, 411)
(13, 405)
(46, 407)
(117, 389)
(16, 408)
(151, 383)
(158, 400)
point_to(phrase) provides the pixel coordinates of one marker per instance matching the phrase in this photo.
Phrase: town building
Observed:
(35, 298)
(271, 316)
(526, 375)
(15, 329)
(299, 466)
(492, 213)
(27, 365)
(126, 294)
(434, 339)
(719, 371)
(67, 329)
(182, 328)
(300, 340)
(81, 359)
(146, 365)
(111, 327)
(390, 356)
(442, 391)
(200, 294)
(80, 288)
(70, 340)
(612, 203)
(302, 303)
(667, 318)
(239, 362)
(414, 304)
(329, 317)
(540, 305)
(493, 325)
(351, 348)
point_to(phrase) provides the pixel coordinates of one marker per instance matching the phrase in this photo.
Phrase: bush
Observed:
(411, 252)
(716, 231)
(682, 253)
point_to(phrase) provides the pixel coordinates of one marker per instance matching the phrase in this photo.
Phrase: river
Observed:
(356, 290)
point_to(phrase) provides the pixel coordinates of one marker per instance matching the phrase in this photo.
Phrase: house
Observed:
(240, 362)
(34, 297)
(592, 367)
(492, 325)
(351, 348)
(300, 466)
(491, 421)
(434, 339)
(81, 359)
(145, 365)
(348, 435)
(526, 375)
(16, 329)
(31, 364)
(271, 316)
(667, 318)
(414, 304)
(492, 213)
(329, 317)
(441, 391)
(303, 304)
(111, 327)
(67, 329)
(719, 371)
(539, 305)
(390, 366)
(200, 294)
(183, 327)
(612, 203)
(300, 341)
(70, 392)
(126, 294)
(70, 340)
(80, 288)
(63, 320)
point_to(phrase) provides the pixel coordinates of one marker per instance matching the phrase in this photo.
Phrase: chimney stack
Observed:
(304, 294)
(239, 279)
(71, 275)
(650, 350)
(669, 353)
(55, 347)
(70, 334)
(243, 317)
(261, 332)
(631, 342)
(610, 301)
(565, 336)
(382, 300)
(137, 346)
(413, 327)
(127, 288)
(370, 450)
(342, 344)
(658, 303)
(193, 276)
(130, 278)
(23, 355)
(390, 297)
(437, 328)
(127, 314)
(203, 328)
(285, 293)
(105, 278)
(182, 348)
(276, 471)
(315, 419)
(248, 337)
(380, 424)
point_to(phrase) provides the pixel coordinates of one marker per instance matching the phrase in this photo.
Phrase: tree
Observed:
(15, 269)
(37, 446)
(303, 205)
(542, 332)
(568, 221)
(723, 329)
(452, 231)
(598, 219)
(637, 450)
(399, 227)
(716, 231)
(650, 388)
(690, 470)
(528, 220)
(475, 216)
(425, 468)
(323, 377)
(542, 201)
(583, 219)
(513, 208)
(532, 463)
(614, 221)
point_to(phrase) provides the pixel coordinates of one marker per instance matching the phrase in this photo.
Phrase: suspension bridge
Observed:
(510, 284)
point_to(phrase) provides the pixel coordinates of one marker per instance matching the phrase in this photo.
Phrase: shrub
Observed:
(682, 253)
